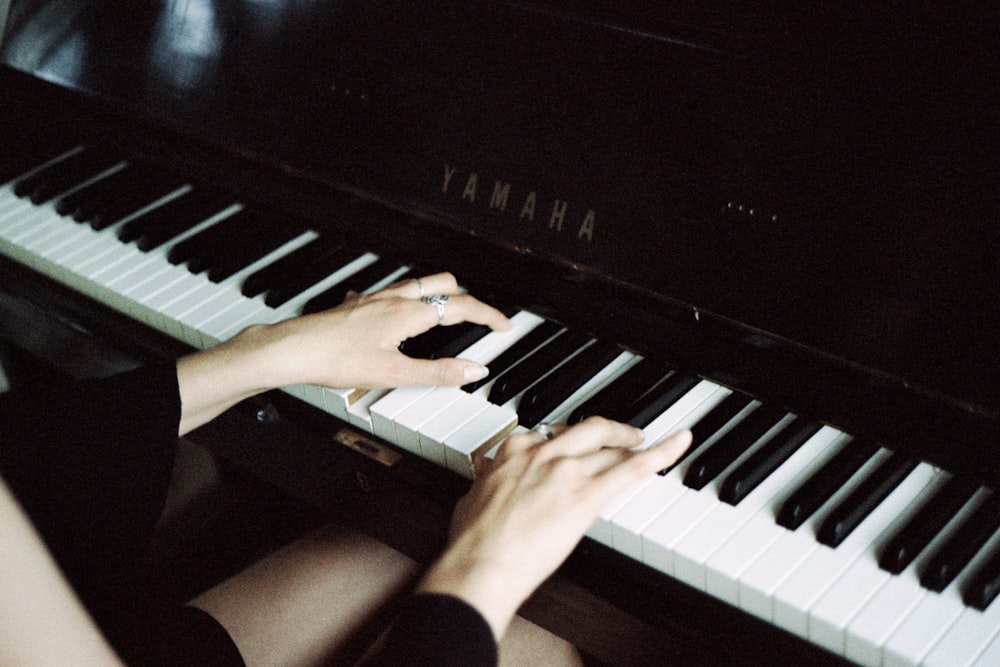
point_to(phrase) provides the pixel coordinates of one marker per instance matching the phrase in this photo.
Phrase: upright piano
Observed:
(773, 223)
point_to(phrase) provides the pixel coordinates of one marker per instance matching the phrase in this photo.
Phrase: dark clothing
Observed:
(90, 462)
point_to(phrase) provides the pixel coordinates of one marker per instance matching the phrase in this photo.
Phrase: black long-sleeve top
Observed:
(90, 462)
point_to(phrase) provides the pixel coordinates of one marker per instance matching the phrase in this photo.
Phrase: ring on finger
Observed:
(545, 431)
(420, 286)
(438, 301)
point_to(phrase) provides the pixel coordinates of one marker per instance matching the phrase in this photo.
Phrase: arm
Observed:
(353, 345)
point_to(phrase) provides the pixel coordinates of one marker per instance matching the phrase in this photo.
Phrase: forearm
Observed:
(214, 380)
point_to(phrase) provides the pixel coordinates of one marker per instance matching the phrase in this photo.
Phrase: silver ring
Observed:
(545, 431)
(420, 286)
(438, 301)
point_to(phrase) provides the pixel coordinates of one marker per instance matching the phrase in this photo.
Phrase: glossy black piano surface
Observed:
(797, 202)
(817, 182)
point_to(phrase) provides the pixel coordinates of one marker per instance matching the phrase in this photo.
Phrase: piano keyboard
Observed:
(877, 558)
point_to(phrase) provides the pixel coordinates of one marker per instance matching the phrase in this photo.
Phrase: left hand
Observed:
(357, 343)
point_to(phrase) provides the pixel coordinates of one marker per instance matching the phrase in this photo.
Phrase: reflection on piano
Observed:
(840, 486)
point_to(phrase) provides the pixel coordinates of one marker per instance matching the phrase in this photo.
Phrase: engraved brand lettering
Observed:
(528, 210)
(562, 214)
(501, 193)
(587, 228)
(558, 214)
(448, 173)
(469, 194)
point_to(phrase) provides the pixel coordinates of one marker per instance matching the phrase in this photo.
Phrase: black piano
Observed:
(773, 223)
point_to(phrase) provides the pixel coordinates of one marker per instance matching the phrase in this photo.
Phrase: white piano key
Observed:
(384, 411)
(967, 638)
(359, 413)
(12, 209)
(990, 657)
(829, 617)
(758, 579)
(409, 421)
(486, 430)
(190, 314)
(659, 428)
(628, 524)
(670, 526)
(693, 550)
(932, 616)
(482, 351)
(820, 570)
(871, 628)
(435, 431)
(26, 222)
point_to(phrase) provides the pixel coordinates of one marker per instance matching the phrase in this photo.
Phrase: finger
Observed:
(634, 465)
(416, 288)
(437, 372)
(463, 308)
(523, 440)
(593, 434)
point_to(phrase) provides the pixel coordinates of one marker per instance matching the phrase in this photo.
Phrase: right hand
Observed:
(532, 504)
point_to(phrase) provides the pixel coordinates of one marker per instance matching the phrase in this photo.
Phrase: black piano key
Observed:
(739, 483)
(28, 184)
(536, 365)
(718, 417)
(427, 344)
(233, 243)
(21, 154)
(76, 202)
(356, 282)
(546, 395)
(613, 400)
(962, 546)
(918, 532)
(710, 424)
(141, 187)
(729, 447)
(819, 488)
(172, 219)
(654, 402)
(444, 342)
(63, 175)
(984, 584)
(300, 268)
(849, 514)
(524, 346)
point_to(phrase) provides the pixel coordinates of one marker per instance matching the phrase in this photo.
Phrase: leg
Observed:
(527, 644)
(312, 600)
(325, 598)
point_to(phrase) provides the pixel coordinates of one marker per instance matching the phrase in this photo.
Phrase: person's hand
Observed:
(531, 505)
(357, 343)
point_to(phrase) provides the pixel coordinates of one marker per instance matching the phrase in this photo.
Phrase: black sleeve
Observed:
(436, 630)
(90, 462)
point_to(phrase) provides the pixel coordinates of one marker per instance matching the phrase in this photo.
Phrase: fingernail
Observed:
(475, 373)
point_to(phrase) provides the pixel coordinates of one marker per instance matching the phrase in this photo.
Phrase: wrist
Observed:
(487, 586)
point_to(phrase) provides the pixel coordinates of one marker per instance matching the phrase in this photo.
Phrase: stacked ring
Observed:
(438, 301)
